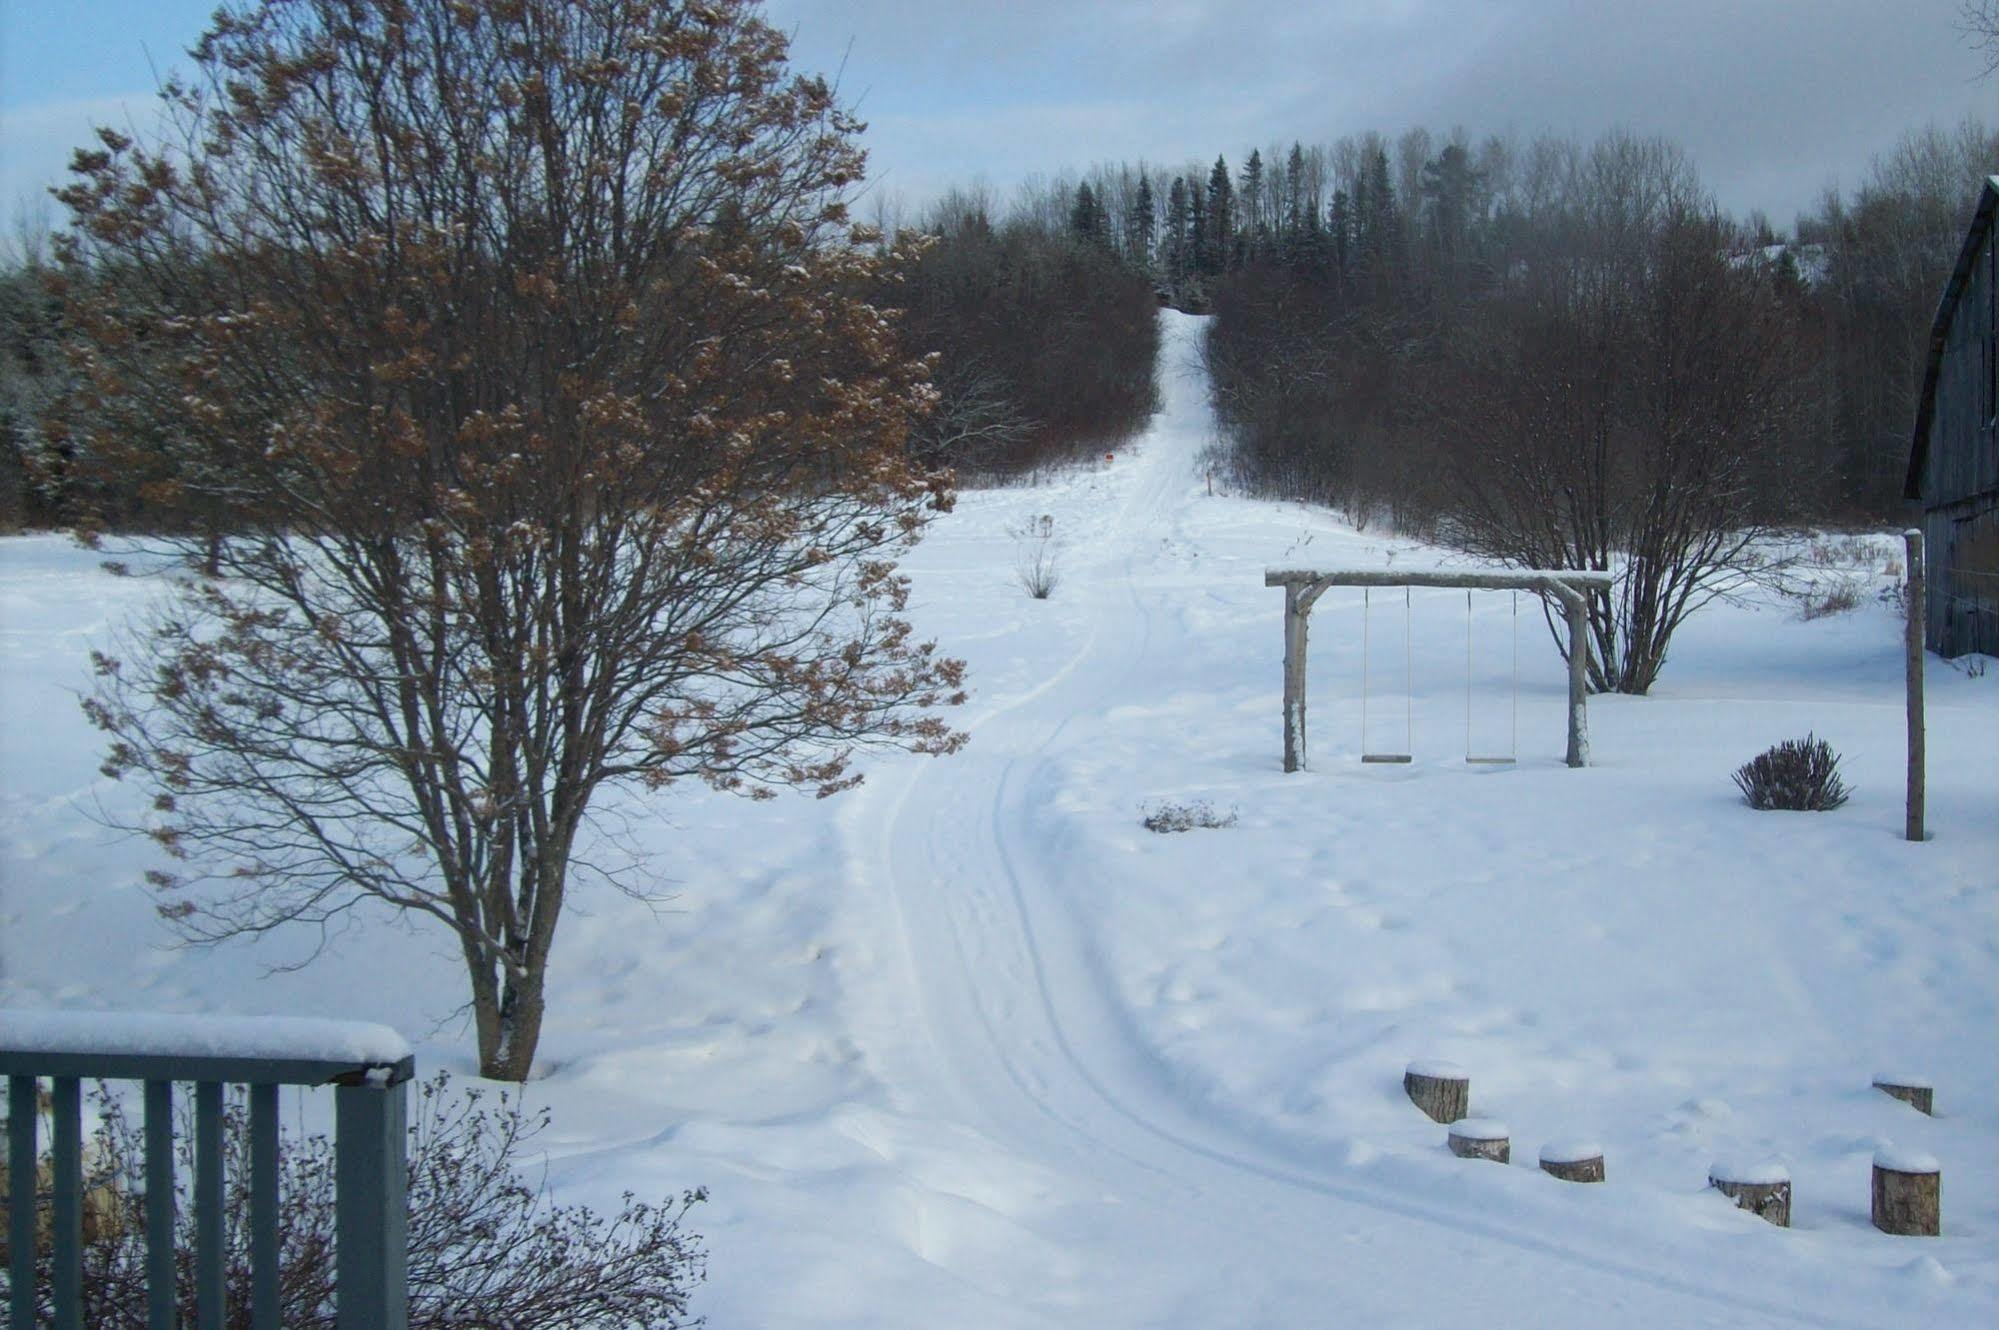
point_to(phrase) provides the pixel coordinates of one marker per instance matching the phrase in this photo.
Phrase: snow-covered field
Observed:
(969, 1047)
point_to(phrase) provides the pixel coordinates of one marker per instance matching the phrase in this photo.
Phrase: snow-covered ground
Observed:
(969, 1047)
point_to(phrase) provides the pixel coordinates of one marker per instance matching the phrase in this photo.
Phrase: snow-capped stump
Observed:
(1908, 1187)
(1573, 1161)
(1761, 1187)
(1915, 1091)
(1441, 1089)
(1481, 1138)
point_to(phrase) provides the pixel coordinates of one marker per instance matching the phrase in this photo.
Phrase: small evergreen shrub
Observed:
(1800, 774)
(1185, 817)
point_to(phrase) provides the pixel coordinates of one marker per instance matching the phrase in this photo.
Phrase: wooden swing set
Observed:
(1304, 586)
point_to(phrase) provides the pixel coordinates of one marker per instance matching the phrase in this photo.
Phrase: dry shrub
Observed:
(1798, 774)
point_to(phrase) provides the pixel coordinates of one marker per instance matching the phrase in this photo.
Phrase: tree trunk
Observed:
(509, 1033)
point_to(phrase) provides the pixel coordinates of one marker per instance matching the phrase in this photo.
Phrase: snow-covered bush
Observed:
(487, 1247)
(1185, 817)
(1800, 774)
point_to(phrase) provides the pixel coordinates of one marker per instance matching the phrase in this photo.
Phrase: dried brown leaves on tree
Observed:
(507, 361)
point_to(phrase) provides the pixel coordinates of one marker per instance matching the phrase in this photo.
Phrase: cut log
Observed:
(1915, 1091)
(1440, 1089)
(1908, 1193)
(1573, 1161)
(1481, 1138)
(1763, 1189)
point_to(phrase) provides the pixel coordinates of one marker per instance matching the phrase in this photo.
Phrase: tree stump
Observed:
(1915, 1091)
(1573, 1161)
(1908, 1193)
(1763, 1189)
(1440, 1089)
(1481, 1138)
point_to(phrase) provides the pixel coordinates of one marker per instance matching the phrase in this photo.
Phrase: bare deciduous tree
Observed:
(1637, 412)
(519, 349)
(1981, 27)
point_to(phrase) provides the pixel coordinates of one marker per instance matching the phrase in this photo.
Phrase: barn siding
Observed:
(1960, 481)
(1962, 541)
(1964, 448)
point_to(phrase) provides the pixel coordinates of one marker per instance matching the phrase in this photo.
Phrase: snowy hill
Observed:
(969, 1047)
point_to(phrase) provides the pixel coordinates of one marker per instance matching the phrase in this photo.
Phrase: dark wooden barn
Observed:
(1954, 464)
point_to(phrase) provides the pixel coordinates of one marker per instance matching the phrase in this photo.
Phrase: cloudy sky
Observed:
(1774, 98)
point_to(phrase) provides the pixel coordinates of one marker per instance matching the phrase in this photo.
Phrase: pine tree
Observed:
(1199, 242)
(1179, 261)
(1256, 227)
(1221, 218)
(1449, 188)
(1339, 234)
(1141, 226)
(1087, 220)
(1297, 210)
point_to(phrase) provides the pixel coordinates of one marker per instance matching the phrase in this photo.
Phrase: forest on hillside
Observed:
(1380, 302)
(1392, 317)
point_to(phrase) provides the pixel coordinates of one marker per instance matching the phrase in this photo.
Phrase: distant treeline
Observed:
(1363, 288)
(1044, 340)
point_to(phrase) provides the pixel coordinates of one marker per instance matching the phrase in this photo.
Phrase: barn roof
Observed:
(1974, 240)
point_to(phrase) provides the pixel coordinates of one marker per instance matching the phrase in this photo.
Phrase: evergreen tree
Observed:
(1087, 219)
(1449, 189)
(1141, 226)
(1221, 218)
(1339, 234)
(1299, 214)
(1179, 261)
(1378, 229)
(1256, 227)
(1199, 241)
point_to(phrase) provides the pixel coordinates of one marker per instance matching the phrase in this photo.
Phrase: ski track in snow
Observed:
(1124, 1121)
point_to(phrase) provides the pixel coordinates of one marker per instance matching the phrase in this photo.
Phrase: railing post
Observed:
(264, 1207)
(371, 1259)
(21, 1111)
(66, 1231)
(160, 1205)
(210, 1282)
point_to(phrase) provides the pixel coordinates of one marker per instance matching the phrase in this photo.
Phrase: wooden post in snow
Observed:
(1907, 1193)
(1763, 1189)
(1915, 1091)
(1577, 610)
(1918, 610)
(1294, 677)
(1440, 1089)
(1480, 1138)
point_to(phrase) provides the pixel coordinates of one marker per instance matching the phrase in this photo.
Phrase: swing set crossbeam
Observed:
(1304, 586)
